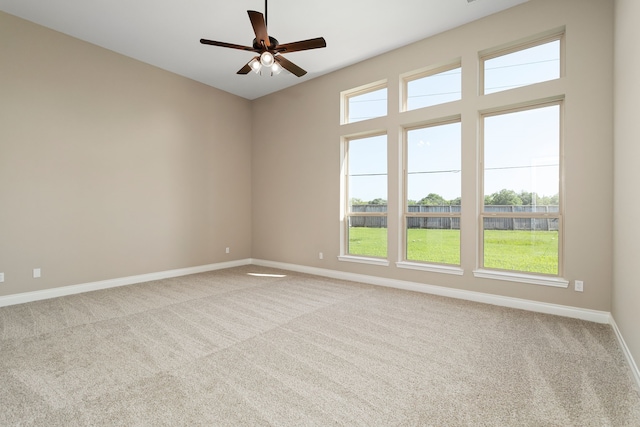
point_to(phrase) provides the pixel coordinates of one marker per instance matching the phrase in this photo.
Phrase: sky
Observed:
(521, 149)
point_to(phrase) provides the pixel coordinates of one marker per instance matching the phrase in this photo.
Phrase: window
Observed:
(444, 84)
(433, 193)
(365, 103)
(522, 67)
(512, 147)
(521, 217)
(366, 196)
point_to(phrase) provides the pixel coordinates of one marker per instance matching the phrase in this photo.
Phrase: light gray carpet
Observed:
(230, 348)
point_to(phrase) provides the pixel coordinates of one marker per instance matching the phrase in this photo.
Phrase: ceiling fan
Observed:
(268, 49)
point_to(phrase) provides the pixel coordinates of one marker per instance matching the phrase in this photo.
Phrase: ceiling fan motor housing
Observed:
(272, 41)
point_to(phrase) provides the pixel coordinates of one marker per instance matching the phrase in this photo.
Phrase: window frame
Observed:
(516, 275)
(416, 264)
(345, 208)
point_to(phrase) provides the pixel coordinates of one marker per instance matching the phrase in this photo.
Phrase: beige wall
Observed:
(110, 167)
(626, 285)
(296, 168)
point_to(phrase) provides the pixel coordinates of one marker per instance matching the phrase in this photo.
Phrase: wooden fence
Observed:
(453, 223)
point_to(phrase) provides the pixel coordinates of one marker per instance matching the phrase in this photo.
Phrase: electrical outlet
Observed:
(579, 285)
(320, 255)
(1, 277)
(37, 273)
(228, 250)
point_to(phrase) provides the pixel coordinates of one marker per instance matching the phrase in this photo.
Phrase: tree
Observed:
(529, 199)
(433, 199)
(456, 202)
(355, 201)
(550, 200)
(378, 201)
(504, 197)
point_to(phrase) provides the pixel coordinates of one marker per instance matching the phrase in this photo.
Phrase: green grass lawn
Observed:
(519, 250)
(368, 241)
(431, 245)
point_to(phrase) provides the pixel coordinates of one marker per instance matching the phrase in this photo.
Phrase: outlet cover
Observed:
(579, 286)
(1, 277)
(36, 273)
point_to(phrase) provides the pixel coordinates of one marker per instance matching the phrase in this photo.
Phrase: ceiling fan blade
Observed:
(244, 70)
(230, 45)
(301, 45)
(290, 66)
(259, 27)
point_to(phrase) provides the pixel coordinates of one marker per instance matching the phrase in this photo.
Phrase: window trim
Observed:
(512, 276)
(516, 275)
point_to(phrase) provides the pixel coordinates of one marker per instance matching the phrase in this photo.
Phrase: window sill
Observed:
(557, 282)
(364, 260)
(430, 267)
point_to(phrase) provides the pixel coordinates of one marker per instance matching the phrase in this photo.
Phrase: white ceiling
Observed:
(166, 33)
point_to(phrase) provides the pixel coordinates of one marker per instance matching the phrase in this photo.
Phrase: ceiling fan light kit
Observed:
(268, 49)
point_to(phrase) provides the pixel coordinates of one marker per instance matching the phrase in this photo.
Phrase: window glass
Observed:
(434, 165)
(368, 236)
(367, 196)
(434, 89)
(528, 245)
(367, 105)
(524, 67)
(521, 155)
(433, 188)
(433, 240)
(521, 181)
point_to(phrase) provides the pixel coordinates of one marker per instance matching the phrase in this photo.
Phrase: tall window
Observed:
(521, 215)
(366, 183)
(433, 193)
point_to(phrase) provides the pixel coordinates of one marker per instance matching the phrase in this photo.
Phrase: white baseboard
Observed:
(112, 283)
(627, 353)
(535, 306)
(560, 310)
